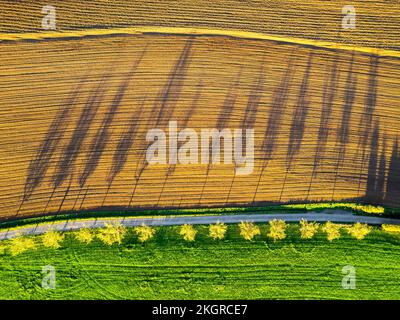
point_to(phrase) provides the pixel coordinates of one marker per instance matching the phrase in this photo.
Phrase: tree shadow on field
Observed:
(393, 180)
(299, 117)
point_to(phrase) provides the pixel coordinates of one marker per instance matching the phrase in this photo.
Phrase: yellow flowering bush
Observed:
(19, 245)
(248, 230)
(52, 239)
(277, 229)
(218, 230)
(308, 229)
(187, 232)
(359, 230)
(144, 232)
(112, 234)
(84, 235)
(332, 230)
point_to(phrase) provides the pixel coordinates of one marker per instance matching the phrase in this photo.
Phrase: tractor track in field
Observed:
(338, 216)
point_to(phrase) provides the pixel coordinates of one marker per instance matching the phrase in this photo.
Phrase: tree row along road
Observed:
(338, 216)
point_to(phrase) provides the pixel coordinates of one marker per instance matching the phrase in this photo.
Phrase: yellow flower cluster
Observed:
(217, 231)
(277, 229)
(112, 234)
(144, 232)
(308, 229)
(84, 235)
(359, 230)
(332, 230)
(21, 244)
(248, 230)
(391, 228)
(339, 205)
(188, 232)
(52, 239)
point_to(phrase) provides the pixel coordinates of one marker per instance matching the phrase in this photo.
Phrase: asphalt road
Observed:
(327, 215)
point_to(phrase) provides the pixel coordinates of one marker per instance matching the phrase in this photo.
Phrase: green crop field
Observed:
(167, 267)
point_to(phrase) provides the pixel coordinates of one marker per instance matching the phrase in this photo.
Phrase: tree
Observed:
(52, 239)
(218, 230)
(332, 230)
(277, 229)
(188, 232)
(2, 249)
(21, 244)
(144, 232)
(84, 235)
(308, 229)
(359, 230)
(248, 230)
(111, 234)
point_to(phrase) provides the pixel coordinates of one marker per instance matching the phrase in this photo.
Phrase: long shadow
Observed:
(299, 117)
(381, 174)
(253, 101)
(38, 167)
(223, 118)
(164, 105)
(73, 148)
(65, 194)
(71, 151)
(279, 102)
(343, 131)
(393, 179)
(329, 93)
(365, 124)
(173, 87)
(373, 165)
(124, 145)
(191, 111)
(298, 123)
(278, 107)
(350, 91)
(250, 114)
(102, 136)
(141, 146)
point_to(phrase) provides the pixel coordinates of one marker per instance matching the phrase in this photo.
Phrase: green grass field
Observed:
(169, 268)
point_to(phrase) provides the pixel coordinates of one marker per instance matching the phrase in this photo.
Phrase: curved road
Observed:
(327, 215)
